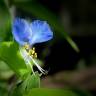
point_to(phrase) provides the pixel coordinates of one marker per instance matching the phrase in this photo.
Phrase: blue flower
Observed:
(27, 34)
(31, 33)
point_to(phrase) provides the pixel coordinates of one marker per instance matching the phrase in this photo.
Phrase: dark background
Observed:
(70, 64)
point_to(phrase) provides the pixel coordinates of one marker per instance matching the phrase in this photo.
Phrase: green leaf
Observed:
(9, 53)
(3, 92)
(5, 71)
(36, 9)
(82, 92)
(72, 43)
(32, 81)
(5, 20)
(50, 92)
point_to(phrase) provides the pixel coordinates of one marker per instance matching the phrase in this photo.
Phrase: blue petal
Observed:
(21, 31)
(41, 32)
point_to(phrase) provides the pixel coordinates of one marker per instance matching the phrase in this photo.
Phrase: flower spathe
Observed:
(27, 34)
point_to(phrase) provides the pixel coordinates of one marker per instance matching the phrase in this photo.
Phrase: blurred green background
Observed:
(69, 57)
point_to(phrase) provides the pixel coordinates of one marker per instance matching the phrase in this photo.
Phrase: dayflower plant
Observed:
(27, 34)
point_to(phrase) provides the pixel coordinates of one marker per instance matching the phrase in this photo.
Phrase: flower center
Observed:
(30, 51)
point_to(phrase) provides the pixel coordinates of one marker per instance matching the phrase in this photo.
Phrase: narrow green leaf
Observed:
(5, 20)
(72, 43)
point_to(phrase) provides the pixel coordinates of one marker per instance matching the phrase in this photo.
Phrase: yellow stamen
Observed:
(35, 55)
(30, 51)
(33, 48)
(26, 46)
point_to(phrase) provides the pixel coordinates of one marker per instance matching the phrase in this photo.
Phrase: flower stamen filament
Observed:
(29, 56)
